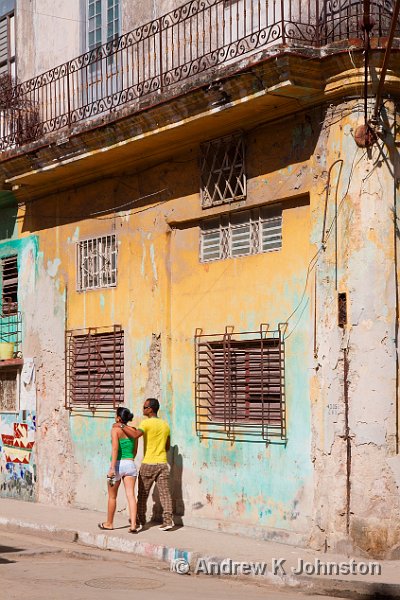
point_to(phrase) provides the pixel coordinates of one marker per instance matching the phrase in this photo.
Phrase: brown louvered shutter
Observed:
(95, 369)
(240, 385)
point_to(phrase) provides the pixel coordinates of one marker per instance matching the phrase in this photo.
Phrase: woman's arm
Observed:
(114, 451)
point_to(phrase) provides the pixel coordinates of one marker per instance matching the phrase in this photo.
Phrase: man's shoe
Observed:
(166, 526)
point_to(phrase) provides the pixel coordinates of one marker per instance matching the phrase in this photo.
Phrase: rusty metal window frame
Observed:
(94, 377)
(9, 284)
(10, 316)
(96, 263)
(240, 385)
(223, 171)
(241, 233)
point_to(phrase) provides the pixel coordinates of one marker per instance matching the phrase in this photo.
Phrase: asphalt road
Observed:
(38, 569)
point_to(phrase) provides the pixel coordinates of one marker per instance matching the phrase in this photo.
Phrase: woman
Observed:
(122, 467)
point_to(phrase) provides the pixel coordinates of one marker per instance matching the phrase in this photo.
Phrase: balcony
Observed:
(177, 50)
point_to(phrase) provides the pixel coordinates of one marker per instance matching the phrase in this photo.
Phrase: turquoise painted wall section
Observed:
(244, 481)
(18, 464)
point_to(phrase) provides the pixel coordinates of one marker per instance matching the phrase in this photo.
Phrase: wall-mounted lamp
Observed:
(218, 96)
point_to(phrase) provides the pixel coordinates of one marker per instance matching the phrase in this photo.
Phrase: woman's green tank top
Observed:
(126, 448)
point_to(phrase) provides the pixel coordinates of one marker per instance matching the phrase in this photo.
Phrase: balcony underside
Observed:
(260, 89)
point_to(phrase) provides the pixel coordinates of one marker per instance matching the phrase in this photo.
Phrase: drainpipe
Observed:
(367, 26)
(347, 434)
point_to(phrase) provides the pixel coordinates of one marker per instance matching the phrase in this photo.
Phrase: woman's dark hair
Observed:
(124, 414)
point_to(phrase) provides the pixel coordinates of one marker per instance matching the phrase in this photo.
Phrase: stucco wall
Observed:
(355, 398)
(18, 456)
(339, 471)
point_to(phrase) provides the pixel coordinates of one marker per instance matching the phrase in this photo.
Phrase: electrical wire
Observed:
(95, 215)
(35, 12)
(314, 260)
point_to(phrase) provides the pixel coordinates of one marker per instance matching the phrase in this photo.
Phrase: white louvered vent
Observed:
(241, 234)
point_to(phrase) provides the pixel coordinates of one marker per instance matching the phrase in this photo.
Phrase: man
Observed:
(154, 468)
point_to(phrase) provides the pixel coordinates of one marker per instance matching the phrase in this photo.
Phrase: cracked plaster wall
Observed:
(165, 294)
(356, 495)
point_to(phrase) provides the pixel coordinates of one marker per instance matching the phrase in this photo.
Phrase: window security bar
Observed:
(94, 368)
(239, 385)
(97, 263)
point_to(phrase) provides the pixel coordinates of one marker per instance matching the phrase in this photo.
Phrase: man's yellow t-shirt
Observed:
(155, 435)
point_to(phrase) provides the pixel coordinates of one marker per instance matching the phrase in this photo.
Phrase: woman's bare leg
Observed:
(129, 483)
(112, 504)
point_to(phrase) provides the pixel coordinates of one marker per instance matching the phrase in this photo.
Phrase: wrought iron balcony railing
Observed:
(182, 44)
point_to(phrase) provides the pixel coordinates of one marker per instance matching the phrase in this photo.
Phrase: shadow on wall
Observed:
(9, 210)
(175, 462)
(272, 148)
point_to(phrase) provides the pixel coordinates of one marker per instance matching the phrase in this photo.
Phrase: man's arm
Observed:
(131, 432)
(168, 443)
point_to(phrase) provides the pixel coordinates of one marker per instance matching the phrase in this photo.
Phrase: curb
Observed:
(360, 590)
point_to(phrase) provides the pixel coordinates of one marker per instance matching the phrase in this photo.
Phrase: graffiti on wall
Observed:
(17, 448)
(17, 455)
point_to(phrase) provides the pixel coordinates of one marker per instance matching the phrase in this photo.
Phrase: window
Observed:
(97, 263)
(103, 22)
(7, 45)
(9, 285)
(223, 177)
(9, 390)
(240, 384)
(240, 234)
(95, 368)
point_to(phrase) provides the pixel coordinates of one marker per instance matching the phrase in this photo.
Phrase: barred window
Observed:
(95, 368)
(9, 285)
(240, 384)
(223, 176)
(240, 234)
(97, 263)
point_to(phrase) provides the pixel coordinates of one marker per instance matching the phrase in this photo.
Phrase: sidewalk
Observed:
(190, 544)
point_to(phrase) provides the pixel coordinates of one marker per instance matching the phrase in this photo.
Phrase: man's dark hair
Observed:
(154, 404)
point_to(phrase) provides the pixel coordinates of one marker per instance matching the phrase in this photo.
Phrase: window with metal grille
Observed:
(240, 385)
(9, 390)
(7, 45)
(222, 167)
(9, 285)
(97, 263)
(240, 234)
(95, 368)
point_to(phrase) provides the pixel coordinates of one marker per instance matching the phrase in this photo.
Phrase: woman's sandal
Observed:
(101, 526)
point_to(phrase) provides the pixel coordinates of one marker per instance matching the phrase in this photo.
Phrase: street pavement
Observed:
(187, 548)
(35, 568)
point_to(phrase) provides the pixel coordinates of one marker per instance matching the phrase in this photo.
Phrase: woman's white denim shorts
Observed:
(125, 468)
